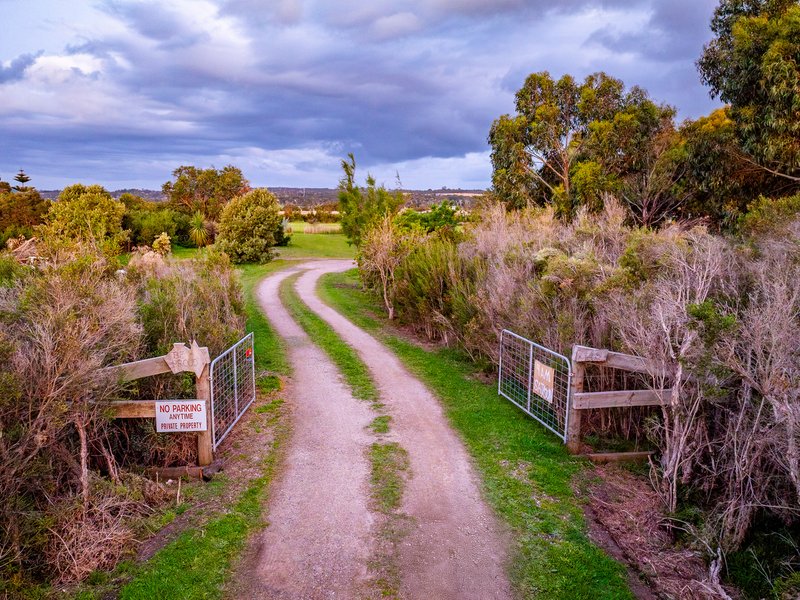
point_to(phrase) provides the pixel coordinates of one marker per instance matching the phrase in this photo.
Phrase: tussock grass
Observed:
(380, 424)
(324, 228)
(527, 474)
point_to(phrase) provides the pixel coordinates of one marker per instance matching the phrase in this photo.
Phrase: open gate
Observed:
(233, 387)
(537, 380)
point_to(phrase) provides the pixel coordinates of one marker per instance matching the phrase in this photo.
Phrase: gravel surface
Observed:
(320, 536)
(456, 549)
(322, 533)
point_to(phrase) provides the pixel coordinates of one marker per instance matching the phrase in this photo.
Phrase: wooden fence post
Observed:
(574, 420)
(205, 451)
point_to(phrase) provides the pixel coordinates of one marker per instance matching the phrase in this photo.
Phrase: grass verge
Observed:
(271, 356)
(198, 562)
(527, 473)
(343, 356)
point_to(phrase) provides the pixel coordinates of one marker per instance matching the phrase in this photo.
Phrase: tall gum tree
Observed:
(570, 142)
(753, 64)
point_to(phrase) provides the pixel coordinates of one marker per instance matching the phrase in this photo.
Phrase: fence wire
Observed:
(233, 387)
(536, 379)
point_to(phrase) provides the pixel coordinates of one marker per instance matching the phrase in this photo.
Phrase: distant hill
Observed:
(154, 195)
(315, 196)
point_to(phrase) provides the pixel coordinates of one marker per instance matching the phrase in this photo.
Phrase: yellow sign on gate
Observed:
(543, 380)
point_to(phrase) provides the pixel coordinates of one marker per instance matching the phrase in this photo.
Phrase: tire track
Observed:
(456, 548)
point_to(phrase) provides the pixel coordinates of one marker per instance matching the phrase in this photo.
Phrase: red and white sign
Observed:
(180, 416)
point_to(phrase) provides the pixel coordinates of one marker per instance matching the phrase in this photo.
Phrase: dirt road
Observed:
(320, 534)
(321, 531)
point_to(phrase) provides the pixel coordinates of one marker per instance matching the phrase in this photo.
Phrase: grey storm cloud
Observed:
(674, 31)
(393, 81)
(16, 69)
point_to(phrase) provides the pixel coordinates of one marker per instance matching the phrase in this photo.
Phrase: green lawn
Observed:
(317, 245)
(528, 477)
(181, 252)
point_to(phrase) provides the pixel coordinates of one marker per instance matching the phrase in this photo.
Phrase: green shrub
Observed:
(146, 225)
(770, 216)
(283, 233)
(424, 286)
(10, 269)
(248, 225)
(86, 214)
(162, 244)
(180, 301)
(363, 208)
(20, 212)
(441, 217)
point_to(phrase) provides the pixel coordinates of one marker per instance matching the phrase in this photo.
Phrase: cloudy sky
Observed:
(121, 92)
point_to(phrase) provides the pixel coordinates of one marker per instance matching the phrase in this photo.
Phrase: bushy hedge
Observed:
(67, 500)
(717, 315)
(248, 227)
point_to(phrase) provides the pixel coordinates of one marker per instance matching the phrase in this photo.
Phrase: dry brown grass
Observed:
(322, 228)
(718, 318)
(629, 515)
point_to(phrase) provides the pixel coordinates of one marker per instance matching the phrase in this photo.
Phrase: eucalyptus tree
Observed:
(569, 142)
(753, 64)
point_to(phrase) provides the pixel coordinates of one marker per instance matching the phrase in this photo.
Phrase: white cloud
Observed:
(396, 25)
(471, 171)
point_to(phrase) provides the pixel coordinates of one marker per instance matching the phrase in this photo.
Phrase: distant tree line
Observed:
(199, 207)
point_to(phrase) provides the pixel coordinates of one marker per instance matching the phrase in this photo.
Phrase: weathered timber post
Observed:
(180, 359)
(205, 451)
(574, 418)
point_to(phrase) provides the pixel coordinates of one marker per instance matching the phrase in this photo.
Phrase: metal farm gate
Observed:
(536, 379)
(233, 387)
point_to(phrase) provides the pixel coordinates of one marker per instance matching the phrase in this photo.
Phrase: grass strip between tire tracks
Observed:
(342, 354)
(527, 474)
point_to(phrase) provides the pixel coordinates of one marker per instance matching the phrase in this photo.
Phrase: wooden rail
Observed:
(583, 355)
(614, 360)
(619, 399)
(142, 368)
(180, 359)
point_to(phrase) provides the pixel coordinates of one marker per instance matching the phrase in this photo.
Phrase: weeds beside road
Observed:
(528, 477)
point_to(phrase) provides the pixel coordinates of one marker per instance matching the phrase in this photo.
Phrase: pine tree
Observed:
(22, 179)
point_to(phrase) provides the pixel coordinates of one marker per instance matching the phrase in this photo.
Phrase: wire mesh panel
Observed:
(233, 387)
(536, 379)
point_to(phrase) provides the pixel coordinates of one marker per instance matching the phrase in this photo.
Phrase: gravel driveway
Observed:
(321, 530)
